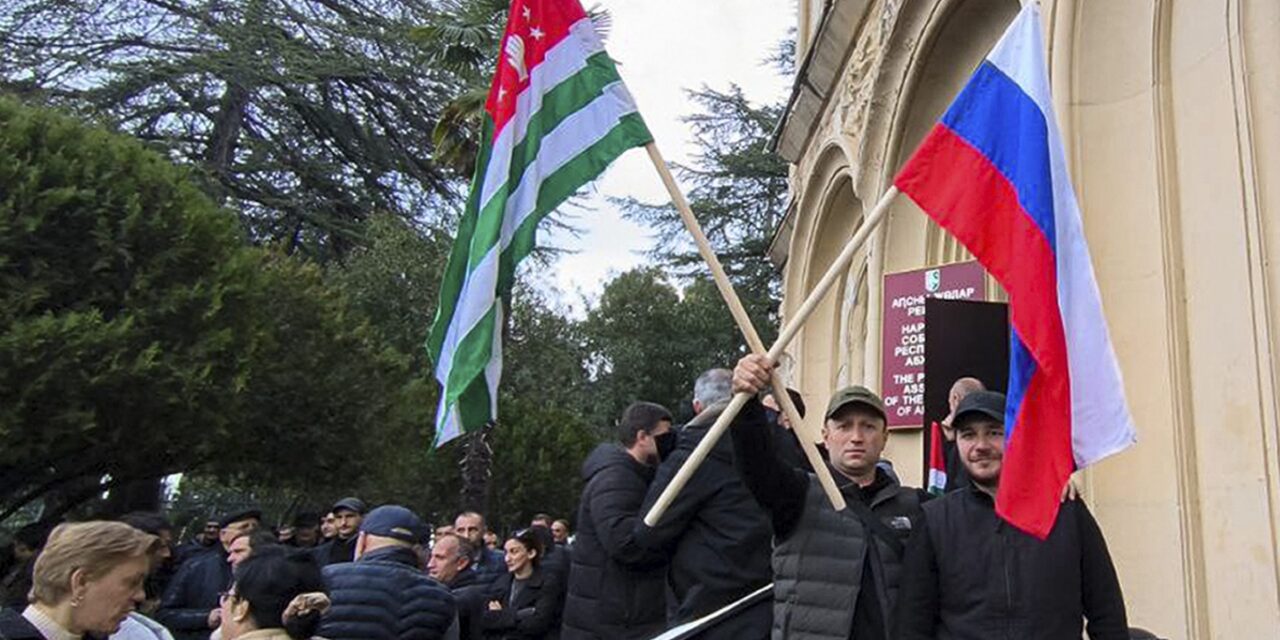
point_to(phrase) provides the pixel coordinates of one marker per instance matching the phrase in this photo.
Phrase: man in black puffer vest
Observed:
(972, 575)
(836, 574)
(616, 587)
(384, 595)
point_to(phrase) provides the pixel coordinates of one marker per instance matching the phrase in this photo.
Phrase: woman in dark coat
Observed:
(526, 602)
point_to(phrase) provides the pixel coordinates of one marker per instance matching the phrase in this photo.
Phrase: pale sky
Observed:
(664, 47)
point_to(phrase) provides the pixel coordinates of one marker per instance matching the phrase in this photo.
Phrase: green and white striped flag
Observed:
(556, 116)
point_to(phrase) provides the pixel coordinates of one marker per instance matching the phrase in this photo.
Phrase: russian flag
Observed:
(937, 482)
(994, 175)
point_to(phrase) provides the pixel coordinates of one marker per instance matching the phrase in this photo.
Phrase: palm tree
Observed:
(463, 38)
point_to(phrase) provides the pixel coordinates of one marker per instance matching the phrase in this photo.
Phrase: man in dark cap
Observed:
(348, 514)
(968, 574)
(835, 573)
(306, 530)
(189, 606)
(383, 595)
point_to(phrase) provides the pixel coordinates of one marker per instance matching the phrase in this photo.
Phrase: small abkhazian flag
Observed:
(556, 116)
(993, 173)
(937, 462)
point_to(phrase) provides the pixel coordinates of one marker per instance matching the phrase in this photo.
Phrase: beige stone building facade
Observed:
(1170, 110)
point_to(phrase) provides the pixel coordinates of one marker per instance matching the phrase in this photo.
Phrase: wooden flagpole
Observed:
(788, 333)
(744, 324)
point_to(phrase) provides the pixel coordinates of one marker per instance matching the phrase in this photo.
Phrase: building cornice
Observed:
(818, 76)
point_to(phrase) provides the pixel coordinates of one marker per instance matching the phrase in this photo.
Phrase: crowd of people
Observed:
(897, 563)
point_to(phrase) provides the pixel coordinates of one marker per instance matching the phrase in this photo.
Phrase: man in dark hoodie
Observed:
(616, 587)
(717, 536)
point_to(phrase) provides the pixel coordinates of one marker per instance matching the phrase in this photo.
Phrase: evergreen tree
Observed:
(303, 115)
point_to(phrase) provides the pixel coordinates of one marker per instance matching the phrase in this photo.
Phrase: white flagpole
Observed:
(788, 333)
(744, 324)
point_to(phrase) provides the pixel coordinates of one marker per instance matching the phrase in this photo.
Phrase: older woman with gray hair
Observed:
(87, 580)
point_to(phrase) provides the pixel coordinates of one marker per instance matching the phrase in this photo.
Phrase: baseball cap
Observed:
(979, 404)
(393, 521)
(850, 395)
(349, 504)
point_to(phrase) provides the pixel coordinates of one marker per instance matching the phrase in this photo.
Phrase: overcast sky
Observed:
(664, 47)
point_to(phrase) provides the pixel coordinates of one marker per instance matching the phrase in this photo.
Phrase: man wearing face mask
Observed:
(615, 586)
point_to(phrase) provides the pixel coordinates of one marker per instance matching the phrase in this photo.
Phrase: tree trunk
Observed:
(477, 459)
(219, 155)
(225, 136)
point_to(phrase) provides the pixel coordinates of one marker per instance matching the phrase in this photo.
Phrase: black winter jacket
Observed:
(488, 565)
(616, 586)
(384, 596)
(192, 594)
(534, 614)
(334, 551)
(470, 596)
(717, 535)
(969, 574)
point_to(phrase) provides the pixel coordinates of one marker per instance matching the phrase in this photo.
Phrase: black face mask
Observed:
(666, 444)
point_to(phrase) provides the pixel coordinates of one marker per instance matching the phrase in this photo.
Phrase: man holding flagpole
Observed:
(835, 573)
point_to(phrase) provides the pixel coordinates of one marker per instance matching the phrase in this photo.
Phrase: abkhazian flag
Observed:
(556, 116)
(993, 173)
(937, 484)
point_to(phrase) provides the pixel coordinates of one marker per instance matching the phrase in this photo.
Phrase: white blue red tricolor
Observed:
(993, 173)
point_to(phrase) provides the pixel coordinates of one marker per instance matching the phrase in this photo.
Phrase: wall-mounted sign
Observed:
(902, 341)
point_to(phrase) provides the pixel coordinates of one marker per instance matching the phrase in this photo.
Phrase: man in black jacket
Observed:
(450, 565)
(348, 513)
(969, 574)
(717, 536)
(383, 595)
(615, 586)
(836, 574)
(488, 564)
(189, 607)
